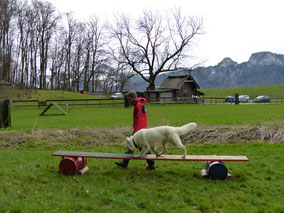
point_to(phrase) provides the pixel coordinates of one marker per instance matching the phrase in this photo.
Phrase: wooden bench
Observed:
(75, 162)
(150, 157)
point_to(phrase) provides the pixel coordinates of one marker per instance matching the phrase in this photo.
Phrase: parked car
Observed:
(244, 98)
(230, 99)
(262, 99)
(117, 95)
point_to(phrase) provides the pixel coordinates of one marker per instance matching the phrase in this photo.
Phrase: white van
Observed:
(117, 95)
(244, 98)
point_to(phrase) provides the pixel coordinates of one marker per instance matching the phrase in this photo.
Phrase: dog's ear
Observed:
(129, 145)
(128, 139)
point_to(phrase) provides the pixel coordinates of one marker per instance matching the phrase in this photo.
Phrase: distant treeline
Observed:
(42, 48)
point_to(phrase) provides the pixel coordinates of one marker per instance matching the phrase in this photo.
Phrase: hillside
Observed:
(263, 68)
(31, 94)
(274, 91)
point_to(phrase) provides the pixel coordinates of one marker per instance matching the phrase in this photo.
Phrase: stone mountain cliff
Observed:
(263, 68)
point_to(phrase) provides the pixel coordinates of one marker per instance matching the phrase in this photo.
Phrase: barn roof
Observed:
(177, 81)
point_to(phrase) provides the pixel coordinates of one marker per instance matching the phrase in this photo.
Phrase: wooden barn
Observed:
(176, 89)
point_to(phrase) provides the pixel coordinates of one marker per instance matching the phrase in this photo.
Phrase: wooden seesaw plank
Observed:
(150, 157)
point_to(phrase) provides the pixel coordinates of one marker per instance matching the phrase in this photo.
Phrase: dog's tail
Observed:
(183, 130)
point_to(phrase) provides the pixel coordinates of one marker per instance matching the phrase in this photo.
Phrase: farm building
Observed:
(176, 89)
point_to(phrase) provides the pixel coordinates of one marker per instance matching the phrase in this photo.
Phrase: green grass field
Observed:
(30, 181)
(274, 91)
(175, 115)
(42, 95)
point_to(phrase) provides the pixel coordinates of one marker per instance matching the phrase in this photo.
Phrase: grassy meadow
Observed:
(42, 95)
(175, 115)
(30, 181)
(274, 91)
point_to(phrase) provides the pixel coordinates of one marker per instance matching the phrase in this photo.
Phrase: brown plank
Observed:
(150, 157)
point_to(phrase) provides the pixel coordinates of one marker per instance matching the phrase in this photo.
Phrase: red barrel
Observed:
(71, 165)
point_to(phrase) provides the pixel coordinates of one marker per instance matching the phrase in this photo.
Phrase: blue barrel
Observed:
(216, 170)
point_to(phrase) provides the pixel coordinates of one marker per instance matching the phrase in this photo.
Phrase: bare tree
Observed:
(123, 74)
(78, 60)
(7, 11)
(97, 42)
(27, 45)
(153, 44)
(70, 37)
(36, 24)
(107, 78)
(46, 23)
(75, 55)
(58, 57)
(86, 68)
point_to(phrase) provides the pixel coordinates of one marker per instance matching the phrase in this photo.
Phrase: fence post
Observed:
(126, 102)
(237, 99)
(5, 113)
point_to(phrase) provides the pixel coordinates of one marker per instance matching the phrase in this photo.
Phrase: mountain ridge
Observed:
(262, 68)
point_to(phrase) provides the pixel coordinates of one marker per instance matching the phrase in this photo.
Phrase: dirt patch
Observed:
(90, 137)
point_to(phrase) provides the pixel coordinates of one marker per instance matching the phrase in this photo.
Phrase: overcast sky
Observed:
(233, 28)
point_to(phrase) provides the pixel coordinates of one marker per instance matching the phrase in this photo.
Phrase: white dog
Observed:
(146, 139)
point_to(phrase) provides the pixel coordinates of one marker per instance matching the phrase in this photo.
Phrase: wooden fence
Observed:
(214, 100)
(209, 100)
(74, 102)
(119, 102)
